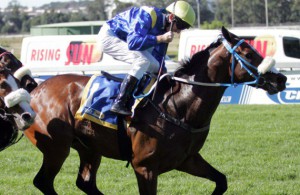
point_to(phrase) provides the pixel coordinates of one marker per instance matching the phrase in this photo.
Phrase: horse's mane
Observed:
(200, 59)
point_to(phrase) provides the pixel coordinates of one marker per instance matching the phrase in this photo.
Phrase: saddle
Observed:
(98, 97)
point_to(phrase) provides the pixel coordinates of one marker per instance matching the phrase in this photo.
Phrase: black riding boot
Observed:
(120, 105)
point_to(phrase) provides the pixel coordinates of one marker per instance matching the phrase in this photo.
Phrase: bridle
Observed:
(264, 67)
(7, 117)
(4, 115)
(11, 99)
(243, 63)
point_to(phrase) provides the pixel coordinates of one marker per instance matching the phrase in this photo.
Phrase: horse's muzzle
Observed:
(27, 117)
(25, 120)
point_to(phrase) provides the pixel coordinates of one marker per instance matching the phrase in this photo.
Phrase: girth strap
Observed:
(177, 122)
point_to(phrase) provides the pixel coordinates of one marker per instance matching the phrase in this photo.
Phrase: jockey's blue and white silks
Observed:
(131, 37)
(139, 27)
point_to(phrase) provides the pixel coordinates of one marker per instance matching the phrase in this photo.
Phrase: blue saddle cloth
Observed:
(96, 101)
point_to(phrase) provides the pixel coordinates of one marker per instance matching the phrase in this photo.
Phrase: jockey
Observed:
(140, 36)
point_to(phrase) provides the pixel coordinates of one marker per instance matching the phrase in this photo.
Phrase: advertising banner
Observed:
(249, 95)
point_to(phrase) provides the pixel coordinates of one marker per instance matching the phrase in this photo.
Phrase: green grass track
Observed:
(256, 146)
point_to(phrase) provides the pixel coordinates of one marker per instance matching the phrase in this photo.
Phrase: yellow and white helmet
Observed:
(183, 10)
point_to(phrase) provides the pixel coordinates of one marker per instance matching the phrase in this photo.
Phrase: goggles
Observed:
(181, 25)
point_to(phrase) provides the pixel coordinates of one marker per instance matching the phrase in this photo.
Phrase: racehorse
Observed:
(167, 130)
(15, 111)
(9, 129)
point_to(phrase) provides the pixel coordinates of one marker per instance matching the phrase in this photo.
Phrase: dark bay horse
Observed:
(9, 128)
(166, 132)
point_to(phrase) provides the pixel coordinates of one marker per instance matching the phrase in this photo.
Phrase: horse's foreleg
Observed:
(147, 181)
(52, 163)
(86, 179)
(196, 165)
(145, 162)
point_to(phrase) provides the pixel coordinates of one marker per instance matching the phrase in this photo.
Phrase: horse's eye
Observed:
(248, 56)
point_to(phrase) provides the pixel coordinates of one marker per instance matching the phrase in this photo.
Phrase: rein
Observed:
(167, 45)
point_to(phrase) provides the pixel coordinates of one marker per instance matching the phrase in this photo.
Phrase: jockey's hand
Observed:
(165, 38)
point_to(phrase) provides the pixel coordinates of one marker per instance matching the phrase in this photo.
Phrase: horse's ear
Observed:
(226, 34)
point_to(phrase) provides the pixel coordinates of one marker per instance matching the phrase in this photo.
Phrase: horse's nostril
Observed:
(26, 117)
(282, 79)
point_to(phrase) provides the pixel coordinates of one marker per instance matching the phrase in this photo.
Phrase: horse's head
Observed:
(16, 100)
(244, 64)
(8, 60)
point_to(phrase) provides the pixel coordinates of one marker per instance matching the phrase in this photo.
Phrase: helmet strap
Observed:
(168, 20)
(173, 19)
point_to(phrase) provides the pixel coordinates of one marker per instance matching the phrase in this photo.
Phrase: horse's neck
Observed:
(189, 103)
(218, 69)
(192, 103)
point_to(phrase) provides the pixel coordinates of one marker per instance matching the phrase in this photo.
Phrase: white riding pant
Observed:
(142, 61)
